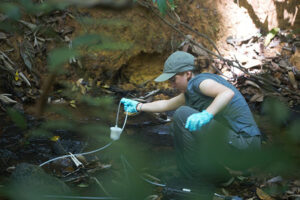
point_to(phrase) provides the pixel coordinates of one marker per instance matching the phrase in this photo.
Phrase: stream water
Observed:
(145, 146)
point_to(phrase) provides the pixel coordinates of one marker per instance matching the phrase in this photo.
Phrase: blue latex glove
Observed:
(129, 105)
(197, 120)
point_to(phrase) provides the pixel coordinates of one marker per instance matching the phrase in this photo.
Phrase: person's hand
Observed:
(195, 121)
(129, 105)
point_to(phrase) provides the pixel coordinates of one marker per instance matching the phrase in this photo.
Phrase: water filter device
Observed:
(115, 131)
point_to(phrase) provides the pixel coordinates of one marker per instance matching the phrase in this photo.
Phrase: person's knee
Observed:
(180, 113)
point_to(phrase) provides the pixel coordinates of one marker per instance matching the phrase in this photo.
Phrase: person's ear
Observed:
(189, 74)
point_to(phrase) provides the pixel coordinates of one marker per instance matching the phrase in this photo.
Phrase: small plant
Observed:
(164, 4)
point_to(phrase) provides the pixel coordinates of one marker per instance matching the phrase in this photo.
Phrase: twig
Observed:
(196, 32)
(229, 62)
(258, 77)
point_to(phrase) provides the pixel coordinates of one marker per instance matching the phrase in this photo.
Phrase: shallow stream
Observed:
(145, 145)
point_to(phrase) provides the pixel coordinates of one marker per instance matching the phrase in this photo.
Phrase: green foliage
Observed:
(164, 4)
(59, 124)
(11, 10)
(40, 132)
(17, 118)
(58, 57)
(294, 131)
(105, 22)
(86, 40)
(97, 101)
(276, 110)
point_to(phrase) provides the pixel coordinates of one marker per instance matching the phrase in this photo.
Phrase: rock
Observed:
(31, 182)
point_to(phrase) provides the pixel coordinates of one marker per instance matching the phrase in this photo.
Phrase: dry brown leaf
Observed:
(293, 80)
(297, 183)
(262, 195)
(2, 36)
(252, 63)
(248, 82)
(257, 98)
(295, 59)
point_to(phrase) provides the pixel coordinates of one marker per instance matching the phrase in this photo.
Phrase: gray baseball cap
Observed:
(177, 62)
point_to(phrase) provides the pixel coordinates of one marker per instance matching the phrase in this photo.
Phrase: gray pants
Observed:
(203, 154)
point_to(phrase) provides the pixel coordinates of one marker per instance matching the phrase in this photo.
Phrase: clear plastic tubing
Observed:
(115, 133)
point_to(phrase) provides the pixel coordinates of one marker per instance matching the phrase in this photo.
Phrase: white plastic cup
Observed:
(115, 132)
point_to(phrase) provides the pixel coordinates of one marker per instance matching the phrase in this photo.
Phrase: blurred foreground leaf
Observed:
(10, 10)
(276, 111)
(86, 40)
(59, 124)
(17, 118)
(58, 57)
(97, 101)
(162, 5)
(294, 131)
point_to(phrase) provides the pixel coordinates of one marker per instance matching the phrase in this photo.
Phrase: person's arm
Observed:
(221, 94)
(162, 105)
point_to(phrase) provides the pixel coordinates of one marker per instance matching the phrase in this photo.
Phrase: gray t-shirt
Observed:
(236, 115)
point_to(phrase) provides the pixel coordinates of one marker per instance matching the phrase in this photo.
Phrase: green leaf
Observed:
(172, 4)
(294, 130)
(112, 46)
(99, 21)
(10, 10)
(96, 101)
(87, 40)
(44, 7)
(162, 6)
(64, 112)
(17, 118)
(58, 124)
(40, 133)
(276, 110)
(271, 35)
(94, 129)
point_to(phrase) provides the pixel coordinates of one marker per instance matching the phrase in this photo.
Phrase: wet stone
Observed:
(31, 182)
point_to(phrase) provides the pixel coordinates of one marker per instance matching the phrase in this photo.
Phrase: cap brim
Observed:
(164, 77)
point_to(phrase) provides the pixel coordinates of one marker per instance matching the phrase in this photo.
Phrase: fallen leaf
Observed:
(73, 103)
(293, 80)
(252, 63)
(275, 179)
(2, 36)
(24, 78)
(83, 185)
(5, 99)
(17, 75)
(54, 138)
(257, 98)
(27, 53)
(248, 82)
(271, 35)
(31, 26)
(262, 195)
(295, 59)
